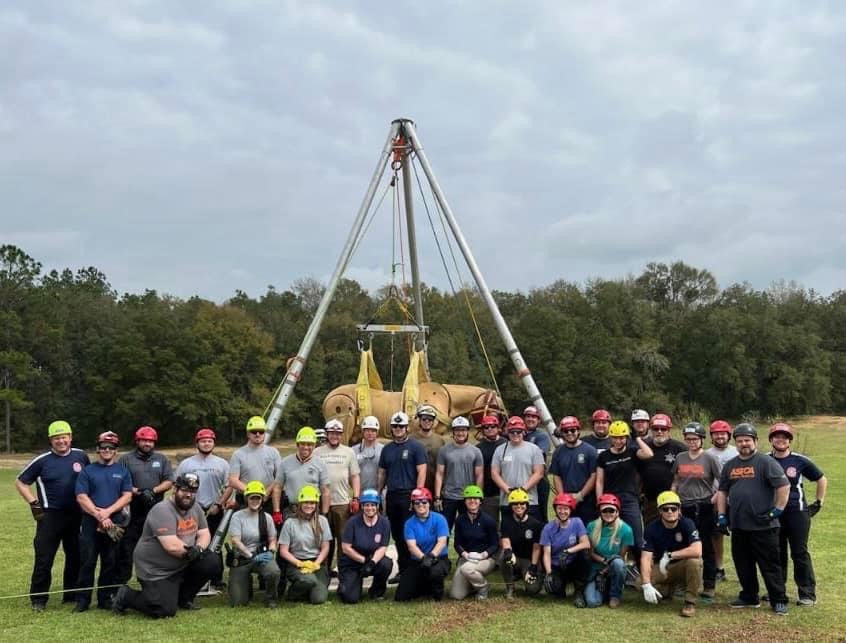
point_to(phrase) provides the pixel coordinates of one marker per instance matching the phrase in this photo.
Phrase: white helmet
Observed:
(370, 422)
(640, 414)
(399, 418)
(426, 410)
(334, 425)
(461, 422)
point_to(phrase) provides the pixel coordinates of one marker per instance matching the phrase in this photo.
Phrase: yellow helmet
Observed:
(306, 435)
(256, 423)
(254, 488)
(668, 498)
(309, 494)
(57, 428)
(619, 429)
(518, 495)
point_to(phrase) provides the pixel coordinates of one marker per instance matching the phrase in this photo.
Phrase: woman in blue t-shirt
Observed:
(565, 543)
(610, 539)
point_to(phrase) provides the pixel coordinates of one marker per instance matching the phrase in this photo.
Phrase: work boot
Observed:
(688, 610)
(81, 606)
(38, 607)
(614, 602)
(119, 600)
(482, 593)
(509, 591)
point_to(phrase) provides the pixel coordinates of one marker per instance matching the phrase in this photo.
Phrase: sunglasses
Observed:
(570, 431)
(660, 429)
(519, 504)
(107, 447)
(608, 510)
(669, 509)
(420, 502)
(515, 433)
(256, 432)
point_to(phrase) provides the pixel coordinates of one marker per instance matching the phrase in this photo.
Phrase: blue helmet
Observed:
(370, 495)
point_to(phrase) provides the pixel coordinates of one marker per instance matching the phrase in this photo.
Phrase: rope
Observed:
(61, 591)
(458, 273)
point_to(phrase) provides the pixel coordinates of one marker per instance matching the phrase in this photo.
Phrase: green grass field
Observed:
(537, 619)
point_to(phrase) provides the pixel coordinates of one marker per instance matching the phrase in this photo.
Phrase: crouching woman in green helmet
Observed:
(304, 546)
(254, 540)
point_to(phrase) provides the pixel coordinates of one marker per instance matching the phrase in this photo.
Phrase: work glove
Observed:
(650, 594)
(355, 506)
(664, 563)
(814, 508)
(263, 557)
(368, 567)
(438, 505)
(531, 576)
(277, 518)
(38, 511)
(474, 556)
(115, 532)
(548, 583)
(149, 497)
(427, 561)
(193, 553)
(772, 514)
(508, 557)
(562, 558)
(309, 567)
(722, 524)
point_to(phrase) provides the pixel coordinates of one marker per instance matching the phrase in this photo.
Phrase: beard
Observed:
(183, 502)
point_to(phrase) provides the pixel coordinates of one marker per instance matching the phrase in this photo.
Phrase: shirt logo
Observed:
(670, 458)
(186, 526)
(791, 472)
(738, 473)
(405, 454)
(678, 537)
(581, 458)
(377, 538)
(156, 465)
(77, 467)
(507, 458)
(528, 534)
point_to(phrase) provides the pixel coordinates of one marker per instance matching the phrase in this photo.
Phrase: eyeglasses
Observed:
(107, 447)
(669, 509)
(420, 502)
(660, 429)
(608, 510)
(256, 432)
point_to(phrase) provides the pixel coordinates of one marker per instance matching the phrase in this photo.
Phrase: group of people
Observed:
(630, 505)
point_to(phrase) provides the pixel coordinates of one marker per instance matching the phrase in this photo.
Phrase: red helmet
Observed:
(109, 437)
(661, 420)
(204, 434)
(720, 426)
(515, 423)
(565, 499)
(600, 415)
(146, 433)
(608, 499)
(531, 410)
(421, 493)
(781, 427)
(490, 420)
(569, 422)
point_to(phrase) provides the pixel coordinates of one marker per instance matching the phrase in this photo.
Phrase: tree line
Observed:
(669, 339)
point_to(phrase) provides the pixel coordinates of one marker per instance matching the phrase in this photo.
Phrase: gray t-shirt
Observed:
(368, 464)
(293, 475)
(213, 472)
(341, 464)
(750, 485)
(723, 455)
(245, 526)
(460, 464)
(152, 562)
(255, 463)
(516, 466)
(695, 478)
(300, 537)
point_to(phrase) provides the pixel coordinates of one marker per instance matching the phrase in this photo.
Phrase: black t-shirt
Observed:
(487, 449)
(522, 535)
(656, 473)
(620, 470)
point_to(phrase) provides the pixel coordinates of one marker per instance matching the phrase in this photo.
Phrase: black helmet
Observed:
(189, 481)
(694, 428)
(745, 430)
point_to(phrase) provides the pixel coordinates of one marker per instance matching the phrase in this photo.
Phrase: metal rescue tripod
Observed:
(400, 149)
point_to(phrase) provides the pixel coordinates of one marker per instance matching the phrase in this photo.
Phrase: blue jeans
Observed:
(614, 584)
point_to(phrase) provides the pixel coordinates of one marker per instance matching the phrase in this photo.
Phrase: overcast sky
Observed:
(200, 148)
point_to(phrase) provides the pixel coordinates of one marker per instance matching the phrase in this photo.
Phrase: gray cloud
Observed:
(203, 152)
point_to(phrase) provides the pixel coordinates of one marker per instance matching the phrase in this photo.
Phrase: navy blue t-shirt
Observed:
(797, 467)
(574, 465)
(540, 438)
(364, 539)
(600, 444)
(475, 535)
(400, 461)
(55, 478)
(104, 484)
(658, 539)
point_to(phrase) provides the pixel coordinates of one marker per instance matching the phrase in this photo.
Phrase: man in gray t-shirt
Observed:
(517, 463)
(367, 453)
(254, 461)
(459, 464)
(171, 559)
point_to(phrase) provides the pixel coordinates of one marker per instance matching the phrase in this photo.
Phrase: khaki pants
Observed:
(338, 516)
(470, 577)
(685, 573)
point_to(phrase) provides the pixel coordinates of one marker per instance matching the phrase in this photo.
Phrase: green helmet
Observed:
(309, 494)
(473, 491)
(57, 428)
(306, 435)
(254, 488)
(256, 423)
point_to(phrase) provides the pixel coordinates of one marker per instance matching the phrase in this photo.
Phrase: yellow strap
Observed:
(368, 378)
(411, 387)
